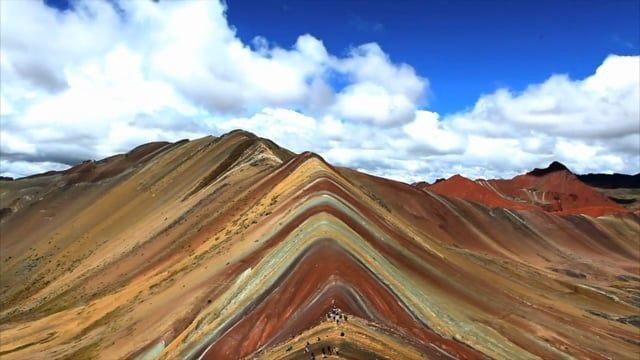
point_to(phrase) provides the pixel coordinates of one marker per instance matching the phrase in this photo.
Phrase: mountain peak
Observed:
(553, 167)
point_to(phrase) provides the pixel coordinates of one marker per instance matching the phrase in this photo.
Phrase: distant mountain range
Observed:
(554, 188)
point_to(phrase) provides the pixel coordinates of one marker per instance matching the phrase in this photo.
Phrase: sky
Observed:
(410, 90)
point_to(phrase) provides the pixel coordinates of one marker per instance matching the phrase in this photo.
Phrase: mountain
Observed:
(461, 187)
(620, 188)
(611, 181)
(553, 167)
(233, 247)
(553, 189)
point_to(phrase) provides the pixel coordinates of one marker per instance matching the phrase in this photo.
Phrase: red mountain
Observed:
(554, 189)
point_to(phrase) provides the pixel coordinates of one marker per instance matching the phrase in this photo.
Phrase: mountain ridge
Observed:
(268, 248)
(554, 188)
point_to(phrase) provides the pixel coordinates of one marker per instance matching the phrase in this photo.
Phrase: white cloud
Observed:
(591, 124)
(368, 63)
(372, 103)
(165, 63)
(602, 105)
(427, 133)
(30, 167)
(286, 127)
(91, 82)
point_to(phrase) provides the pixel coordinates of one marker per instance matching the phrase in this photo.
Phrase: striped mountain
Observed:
(233, 247)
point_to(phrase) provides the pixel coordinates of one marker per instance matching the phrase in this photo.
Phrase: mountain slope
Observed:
(461, 187)
(554, 189)
(232, 247)
(622, 189)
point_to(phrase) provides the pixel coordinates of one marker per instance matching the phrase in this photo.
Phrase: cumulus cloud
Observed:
(371, 103)
(103, 78)
(427, 134)
(604, 105)
(86, 77)
(591, 124)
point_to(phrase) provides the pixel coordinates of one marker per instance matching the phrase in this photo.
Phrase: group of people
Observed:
(326, 350)
(337, 315)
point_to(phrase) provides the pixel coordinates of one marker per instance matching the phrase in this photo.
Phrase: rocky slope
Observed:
(232, 247)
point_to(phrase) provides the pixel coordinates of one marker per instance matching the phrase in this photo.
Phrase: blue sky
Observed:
(465, 47)
(410, 90)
